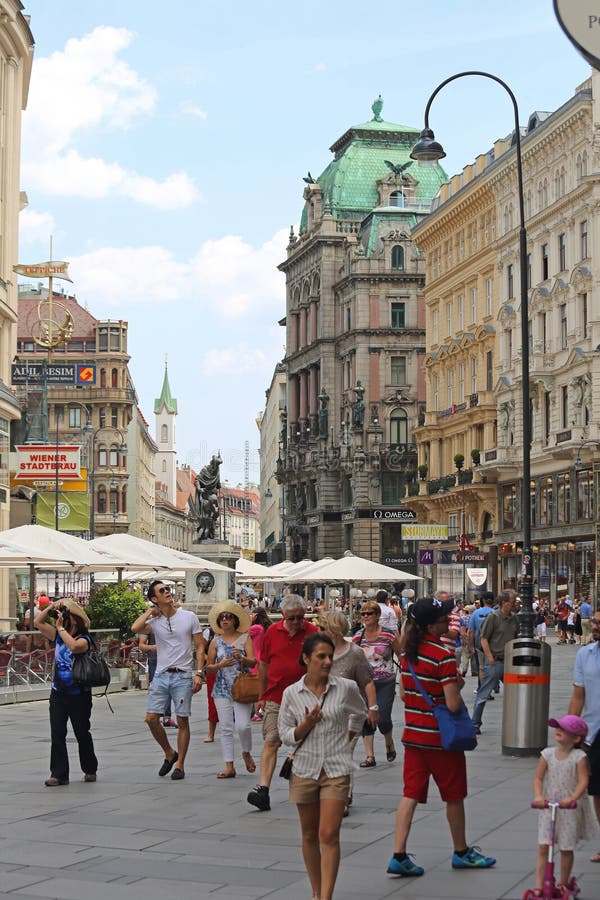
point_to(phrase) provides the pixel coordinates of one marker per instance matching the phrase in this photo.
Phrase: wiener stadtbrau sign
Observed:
(580, 21)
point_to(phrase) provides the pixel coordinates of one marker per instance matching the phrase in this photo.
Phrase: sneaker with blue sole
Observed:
(405, 869)
(472, 859)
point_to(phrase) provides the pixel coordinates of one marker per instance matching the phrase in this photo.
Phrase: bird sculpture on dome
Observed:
(309, 179)
(398, 170)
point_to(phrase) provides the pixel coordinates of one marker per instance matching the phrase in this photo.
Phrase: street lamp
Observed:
(428, 150)
(459, 463)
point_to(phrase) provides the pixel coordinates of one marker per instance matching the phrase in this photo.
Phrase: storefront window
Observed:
(585, 494)
(546, 495)
(563, 497)
(509, 493)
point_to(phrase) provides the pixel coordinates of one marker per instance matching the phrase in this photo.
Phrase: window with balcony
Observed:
(398, 370)
(473, 375)
(399, 427)
(564, 406)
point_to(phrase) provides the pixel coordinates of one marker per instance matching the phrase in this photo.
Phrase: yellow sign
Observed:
(249, 554)
(45, 484)
(424, 532)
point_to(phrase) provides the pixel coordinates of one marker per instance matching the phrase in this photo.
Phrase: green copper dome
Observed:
(165, 398)
(349, 183)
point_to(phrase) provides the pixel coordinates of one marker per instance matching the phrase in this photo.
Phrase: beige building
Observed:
(16, 56)
(240, 512)
(270, 424)
(142, 450)
(465, 250)
(355, 337)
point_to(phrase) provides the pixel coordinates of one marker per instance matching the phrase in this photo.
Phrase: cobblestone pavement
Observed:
(149, 837)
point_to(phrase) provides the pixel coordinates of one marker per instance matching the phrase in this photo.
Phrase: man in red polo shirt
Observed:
(279, 667)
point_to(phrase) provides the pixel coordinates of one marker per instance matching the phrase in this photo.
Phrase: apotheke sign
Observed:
(580, 21)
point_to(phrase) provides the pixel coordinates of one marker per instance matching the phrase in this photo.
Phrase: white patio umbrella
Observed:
(13, 555)
(248, 570)
(60, 549)
(352, 568)
(150, 555)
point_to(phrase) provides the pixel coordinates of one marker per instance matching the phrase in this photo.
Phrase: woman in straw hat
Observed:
(231, 652)
(68, 701)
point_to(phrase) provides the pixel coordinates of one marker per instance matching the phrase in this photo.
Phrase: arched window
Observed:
(164, 434)
(164, 465)
(102, 378)
(399, 427)
(396, 198)
(397, 257)
(114, 378)
(101, 499)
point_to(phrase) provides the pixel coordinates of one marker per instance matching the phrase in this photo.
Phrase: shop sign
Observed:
(400, 514)
(580, 21)
(472, 557)
(477, 576)
(399, 562)
(53, 373)
(45, 461)
(425, 532)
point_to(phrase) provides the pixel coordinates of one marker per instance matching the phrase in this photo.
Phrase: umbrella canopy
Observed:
(13, 555)
(149, 555)
(351, 568)
(248, 570)
(57, 549)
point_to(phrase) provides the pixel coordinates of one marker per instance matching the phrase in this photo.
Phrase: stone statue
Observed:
(358, 407)
(323, 414)
(207, 484)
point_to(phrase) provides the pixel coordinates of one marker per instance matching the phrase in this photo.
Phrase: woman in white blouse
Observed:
(325, 712)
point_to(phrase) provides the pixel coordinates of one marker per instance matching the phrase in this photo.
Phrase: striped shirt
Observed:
(327, 745)
(436, 666)
(449, 640)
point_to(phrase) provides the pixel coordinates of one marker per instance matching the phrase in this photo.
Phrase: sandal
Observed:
(595, 857)
(391, 753)
(249, 763)
(368, 763)
(230, 774)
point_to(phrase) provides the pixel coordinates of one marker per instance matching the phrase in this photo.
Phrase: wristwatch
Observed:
(374, 708)
(198, 674)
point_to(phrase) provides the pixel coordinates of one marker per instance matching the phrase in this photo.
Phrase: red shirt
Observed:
(436, 667)
(448, 640)
(281, 653)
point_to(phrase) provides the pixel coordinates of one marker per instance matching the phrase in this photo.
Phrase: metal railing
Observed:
(27, 657)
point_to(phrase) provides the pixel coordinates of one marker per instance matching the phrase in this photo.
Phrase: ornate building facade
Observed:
(354, 344)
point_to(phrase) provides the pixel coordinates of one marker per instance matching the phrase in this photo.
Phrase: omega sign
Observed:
(399, 515)
(42, 461)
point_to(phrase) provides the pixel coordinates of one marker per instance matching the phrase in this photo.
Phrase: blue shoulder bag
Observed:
(456, 728)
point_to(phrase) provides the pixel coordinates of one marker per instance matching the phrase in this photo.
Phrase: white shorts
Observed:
(540, 630)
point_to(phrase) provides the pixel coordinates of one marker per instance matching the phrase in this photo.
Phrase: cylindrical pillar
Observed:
(526, 699)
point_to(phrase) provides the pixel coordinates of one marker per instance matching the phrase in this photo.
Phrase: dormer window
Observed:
(397, 198)
(397, 257)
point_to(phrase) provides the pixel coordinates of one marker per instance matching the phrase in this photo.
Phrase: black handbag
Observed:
(90, 669)
(286, 769)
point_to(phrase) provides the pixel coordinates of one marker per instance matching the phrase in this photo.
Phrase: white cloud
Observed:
(35, 226)
(193, 110)
(226, 276)
(83, 89)
(318, 68)
(236, 360)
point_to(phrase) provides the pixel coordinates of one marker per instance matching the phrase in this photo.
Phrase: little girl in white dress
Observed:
(562, 775)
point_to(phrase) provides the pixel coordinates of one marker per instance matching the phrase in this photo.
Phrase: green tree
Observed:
(115, 606)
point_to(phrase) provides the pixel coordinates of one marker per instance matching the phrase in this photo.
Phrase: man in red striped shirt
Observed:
(424, 757)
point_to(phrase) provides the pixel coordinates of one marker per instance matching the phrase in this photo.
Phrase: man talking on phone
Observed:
(177, 633)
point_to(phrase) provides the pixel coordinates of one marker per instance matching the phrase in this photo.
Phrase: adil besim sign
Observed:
(44, 461)
(580, 21)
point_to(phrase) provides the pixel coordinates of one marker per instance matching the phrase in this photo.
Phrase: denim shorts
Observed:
(171, 687)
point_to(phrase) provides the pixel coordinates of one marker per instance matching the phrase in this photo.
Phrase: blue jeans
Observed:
(385, 693)
(492, 674)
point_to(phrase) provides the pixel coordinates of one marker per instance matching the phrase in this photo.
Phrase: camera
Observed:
(66, 615)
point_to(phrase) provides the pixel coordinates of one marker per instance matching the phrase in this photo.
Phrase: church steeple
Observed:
(165, 396)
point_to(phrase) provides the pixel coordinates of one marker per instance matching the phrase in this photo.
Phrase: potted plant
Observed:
(423, 469)
(476, 457)
(459, 460)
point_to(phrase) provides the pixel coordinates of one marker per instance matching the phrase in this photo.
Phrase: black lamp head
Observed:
(427, 150)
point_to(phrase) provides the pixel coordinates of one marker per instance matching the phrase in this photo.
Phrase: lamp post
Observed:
(427, 149)
(459, 463)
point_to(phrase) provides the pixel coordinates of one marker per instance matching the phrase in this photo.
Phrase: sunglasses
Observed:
(370, 612)
(294, 618)
(225, 616)
(164, 590)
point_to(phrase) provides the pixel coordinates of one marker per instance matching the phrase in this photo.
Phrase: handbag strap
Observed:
(420, 687)
(298, 745)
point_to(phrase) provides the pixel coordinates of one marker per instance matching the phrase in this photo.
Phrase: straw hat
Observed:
(231, 607)
(76, 610)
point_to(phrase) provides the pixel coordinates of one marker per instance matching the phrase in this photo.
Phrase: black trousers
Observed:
(77, 708)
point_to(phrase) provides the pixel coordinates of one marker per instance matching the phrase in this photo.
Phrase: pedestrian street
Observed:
(149, 837)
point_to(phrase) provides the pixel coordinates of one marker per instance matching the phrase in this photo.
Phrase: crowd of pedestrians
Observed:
(317, 692)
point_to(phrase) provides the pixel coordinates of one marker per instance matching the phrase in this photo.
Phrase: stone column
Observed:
(314, 315)
(303, 394)
(293, 399)
(303, 339)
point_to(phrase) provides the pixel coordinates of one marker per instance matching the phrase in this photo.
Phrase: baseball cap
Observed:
(571, 724)
(427, 611)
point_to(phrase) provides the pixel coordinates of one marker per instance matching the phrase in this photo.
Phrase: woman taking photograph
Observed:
(230, 652)
(324, 712)
(68, 702)
(379, 647)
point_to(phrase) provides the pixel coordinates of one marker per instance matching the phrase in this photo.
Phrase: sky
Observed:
(164, 148)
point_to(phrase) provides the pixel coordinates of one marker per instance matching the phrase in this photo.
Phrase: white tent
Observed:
(58, 549)
(13, 555)
(351, 568)
(248, 570)
(149, 555)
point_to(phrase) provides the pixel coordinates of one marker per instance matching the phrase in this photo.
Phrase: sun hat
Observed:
(231, 607)
(427, 611)
(570, 724)
(76, 610)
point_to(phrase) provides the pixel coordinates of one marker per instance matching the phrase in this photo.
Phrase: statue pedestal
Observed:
(202, 587)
